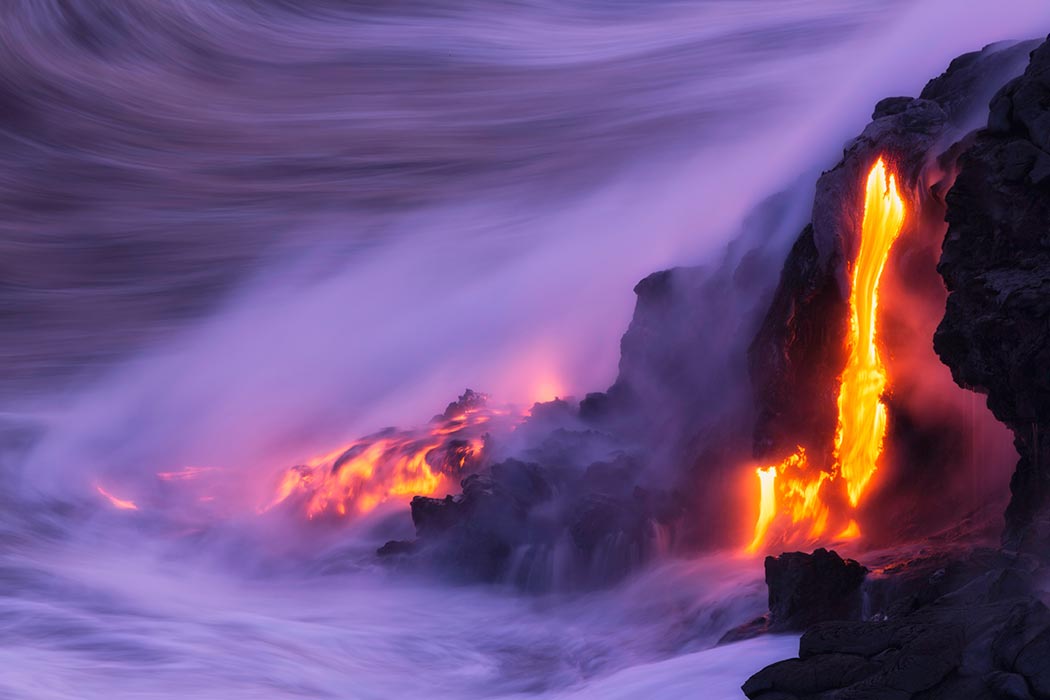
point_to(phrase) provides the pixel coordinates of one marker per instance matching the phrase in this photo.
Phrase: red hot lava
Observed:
(393, 464)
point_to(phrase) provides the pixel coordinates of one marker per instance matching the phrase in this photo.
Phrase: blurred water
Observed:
(233, 232)
(124, 620)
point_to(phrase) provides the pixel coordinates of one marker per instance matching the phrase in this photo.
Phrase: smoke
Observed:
(340, 286)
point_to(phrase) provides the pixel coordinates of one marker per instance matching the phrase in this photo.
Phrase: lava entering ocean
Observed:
(392, 464)
(800, 500)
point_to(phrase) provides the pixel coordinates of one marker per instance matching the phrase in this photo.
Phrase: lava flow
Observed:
(796, 490)
(392, 464)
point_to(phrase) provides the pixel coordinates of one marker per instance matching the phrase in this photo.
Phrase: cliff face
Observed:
(959, 626)
(799, 351)
(995, 334)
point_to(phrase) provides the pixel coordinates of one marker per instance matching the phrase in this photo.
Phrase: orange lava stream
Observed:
(358, 477)
(793, 496)
(862, 414)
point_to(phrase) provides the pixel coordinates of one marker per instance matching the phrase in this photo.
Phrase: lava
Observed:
(862, 414)
(392, 464)
(800, 497)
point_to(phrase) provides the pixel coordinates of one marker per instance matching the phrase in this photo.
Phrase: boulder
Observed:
(808, 588)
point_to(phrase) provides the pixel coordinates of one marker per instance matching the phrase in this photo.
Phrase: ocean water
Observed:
(234, 233)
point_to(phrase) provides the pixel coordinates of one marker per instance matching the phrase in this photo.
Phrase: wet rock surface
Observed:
(988, 638)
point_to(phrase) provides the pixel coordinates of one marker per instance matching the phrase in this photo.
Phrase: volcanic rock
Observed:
(942, 651)
(957, 629)
(511, 521)
(995, 335)
(808, 588)
(682, 375)
(799, 348)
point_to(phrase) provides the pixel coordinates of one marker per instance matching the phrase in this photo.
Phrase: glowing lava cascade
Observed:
(795, 490)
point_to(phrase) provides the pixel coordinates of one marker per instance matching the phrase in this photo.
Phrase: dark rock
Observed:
(958, 687)
(929, 657)
(972, 79)
(796, 347)
(1001, 110)
(748, 630)
(809, 588)
(600, 517)
(826, 672)
(509, 520)
(1008, 686)
(996, 264)
(683, 362)
(397, 547)
(798, 350)
(525, 483)
(1034, 664)
(1026, 621)
(861, 638)
(963, 645)
(956, 629)
(434, 515)
(469, 400)
(888, 106)
(920, 654)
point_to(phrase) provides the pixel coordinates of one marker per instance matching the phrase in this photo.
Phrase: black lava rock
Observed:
(808, 588)
(995, 334)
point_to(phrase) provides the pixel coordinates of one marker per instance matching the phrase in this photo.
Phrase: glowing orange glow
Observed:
(358, 477)
(767, 506)
(862, 414)
(117, 502)
(796, 497)
(791, 498)
(547, 389)
(851, 532)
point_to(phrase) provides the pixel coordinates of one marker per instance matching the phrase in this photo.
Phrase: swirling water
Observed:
(236, 231)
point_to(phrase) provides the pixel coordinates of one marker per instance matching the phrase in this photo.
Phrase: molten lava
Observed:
(862, 414)
(392, 464)
(799, 497)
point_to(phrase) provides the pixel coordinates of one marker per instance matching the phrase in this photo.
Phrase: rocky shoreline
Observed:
(953, 622)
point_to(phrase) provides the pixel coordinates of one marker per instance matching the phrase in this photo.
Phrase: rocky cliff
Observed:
(995, 334)
(954, 624)
(799, 350)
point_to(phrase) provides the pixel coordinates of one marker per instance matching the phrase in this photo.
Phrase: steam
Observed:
(358, 320)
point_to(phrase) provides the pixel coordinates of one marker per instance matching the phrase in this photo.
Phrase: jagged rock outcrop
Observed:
(976, 643)
(970, 628)
(808, 588)
(681, 386)
(995, 335)
(518, 522)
